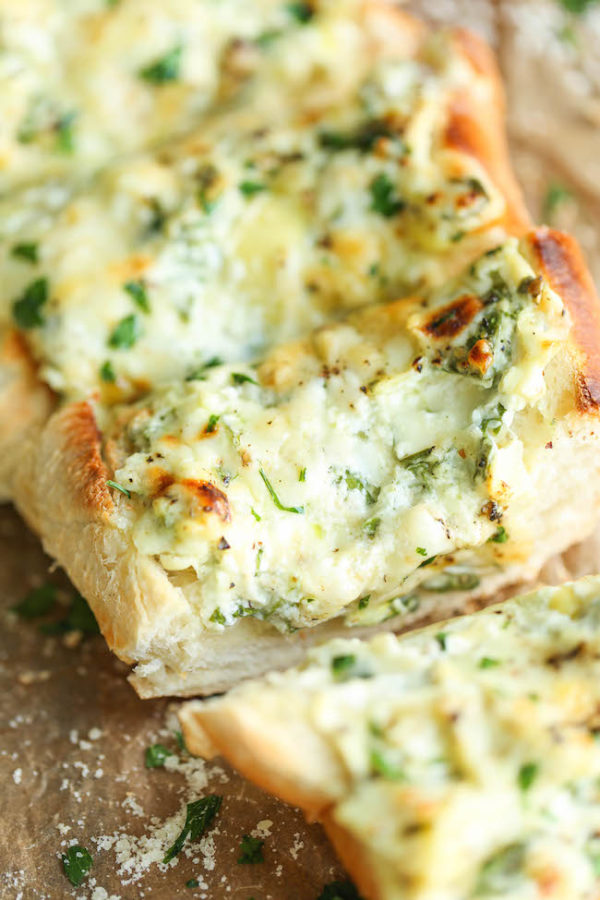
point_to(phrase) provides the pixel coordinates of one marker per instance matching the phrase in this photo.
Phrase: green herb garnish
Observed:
(251, 850)
(364, 602)
(241, 378)
(302, 12)
(441, 638)
(487, 662)
(163, 70)
(156, 755)
(125, 333)
(577, 6)
(137, 292)
(422, 465)
(500, 536)
(198, 819)
(200, 373)
(275, 498)
(65, 137)
(27, 310)
(356, 483)
(27, 251)
(107, 373)
(250, 188)
(37, 602)
(211, 425)
(362, 138)
(380, 765)
(371, 525)
(384, 199)
(527, 775)
(192, 883)
(218, 617)
(421, 551)
(556, 195)
(339, 890)
(77, 862)
(79, 617)
(118, 487)
(348, 666)
(302, 474)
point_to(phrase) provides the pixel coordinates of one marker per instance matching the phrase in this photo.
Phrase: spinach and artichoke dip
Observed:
(253, 230)
(399, 451)
(466, 755)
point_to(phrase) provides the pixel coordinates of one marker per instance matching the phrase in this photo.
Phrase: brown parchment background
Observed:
(72, 731)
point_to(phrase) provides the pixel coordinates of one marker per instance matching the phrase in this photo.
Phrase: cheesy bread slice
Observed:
(259, 227)
(395, 465)
(458, 762)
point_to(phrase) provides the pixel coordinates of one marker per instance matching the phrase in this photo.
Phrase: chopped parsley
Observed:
(499, 537)
(77, 862)
(381, 765)
(347, 666)
(107, 373)
(302, 12)
(27, 310)
(441, 637)
(180, 741)
(362, 138)
(364, 602)
(384, 199)
(241, 378)
(556, 195)
(211, 425)
(199, 374)
(339, 890)
(163, 70)
(65, 137)
(275, 498)
(79, 617)
(156, 755)
(137, 292)
(251, 850)
(118, 487)
(255, 514)
(340, 665)
(218, 617)
(27, 251)
(421, 551)
(37, 602)
(192, 883)
(527, 775)
(125, 333)
(370, 526)
(199, 817)
(250, 188)
(487, 662)
(302, 474)
(356, 483)
(577, 6)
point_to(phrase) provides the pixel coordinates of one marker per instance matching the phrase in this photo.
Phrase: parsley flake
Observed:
(527, 775)
(27, 251)
(37, 602)
(339, 890)
(487, 662)
(125, 333)
(241, 378)
(118, 487)
(499, 537)
(218, 617)
(250, 188)
(251, 851)
(77, 862)
(27, 310)
(384, 199)
(199, 817)
(156, 755)
(302, 12)
(163, 70)
(137, 292)
(291, 509)
(107, 373)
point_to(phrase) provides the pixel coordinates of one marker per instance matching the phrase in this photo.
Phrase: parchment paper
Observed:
(73, 733)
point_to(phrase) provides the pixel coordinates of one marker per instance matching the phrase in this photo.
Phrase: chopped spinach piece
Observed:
(218, 617)
(77, 862)
(275, 498)
(493, 422)
(356, 483)
(137, 292)
(27, 310)
(422, 465)
(199, 817)
(211, 425)
(242, 378)
(125, 333)
(451, 581)
(527, 775)
(156, 755)
(118, 487)
(37, 602)
(384, 199)
(79, 617)
(163, 70)
(192, 883)
(348, 666)
(251, 851)
(27, 251)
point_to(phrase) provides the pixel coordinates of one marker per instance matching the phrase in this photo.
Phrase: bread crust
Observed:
(25, 404)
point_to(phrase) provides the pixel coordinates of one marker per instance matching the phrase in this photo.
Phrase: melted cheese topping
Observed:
(356, 463)
(257, 228)
(469, 751)
(84, 81)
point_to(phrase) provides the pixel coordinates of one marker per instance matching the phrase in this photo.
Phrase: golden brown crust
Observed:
(24, 403)
(475, 126)
(558, 257)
